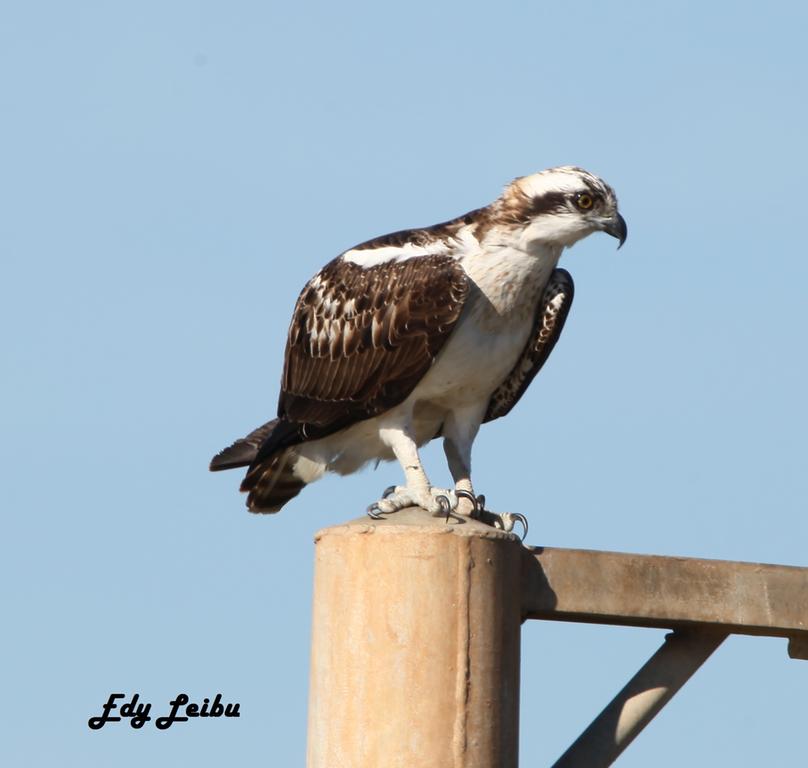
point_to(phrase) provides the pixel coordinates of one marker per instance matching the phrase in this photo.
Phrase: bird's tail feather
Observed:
(245, 450)
(273, 482)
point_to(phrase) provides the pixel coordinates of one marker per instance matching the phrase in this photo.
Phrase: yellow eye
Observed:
(584, 201)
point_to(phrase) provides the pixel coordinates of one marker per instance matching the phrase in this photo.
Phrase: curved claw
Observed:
(389, 491)
(523, 520)
(445, 506)
(475, 501)
(374, 512)
(505, 521)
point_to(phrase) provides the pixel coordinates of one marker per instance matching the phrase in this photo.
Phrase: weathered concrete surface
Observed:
(415, 639)
(667, 592)
(415, 645)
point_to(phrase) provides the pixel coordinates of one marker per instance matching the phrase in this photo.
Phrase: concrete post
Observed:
(415, 645)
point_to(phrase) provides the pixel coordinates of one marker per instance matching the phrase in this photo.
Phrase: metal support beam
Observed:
(667, 592)
(638, 703)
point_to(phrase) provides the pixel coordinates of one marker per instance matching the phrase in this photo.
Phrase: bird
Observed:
(419, 334)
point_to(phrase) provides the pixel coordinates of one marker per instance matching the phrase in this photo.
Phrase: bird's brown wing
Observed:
(549, 322)
(361, 338)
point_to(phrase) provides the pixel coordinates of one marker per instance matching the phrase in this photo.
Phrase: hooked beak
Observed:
(616, 227)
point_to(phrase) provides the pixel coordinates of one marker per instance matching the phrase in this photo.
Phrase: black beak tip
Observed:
(617, 228)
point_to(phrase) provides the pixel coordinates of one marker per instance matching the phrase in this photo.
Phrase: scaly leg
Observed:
(418, 490)
(459, 431)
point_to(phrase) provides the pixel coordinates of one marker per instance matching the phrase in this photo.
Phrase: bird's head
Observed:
(560, 206)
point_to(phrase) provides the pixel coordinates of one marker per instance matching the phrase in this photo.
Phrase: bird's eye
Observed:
(584, 201)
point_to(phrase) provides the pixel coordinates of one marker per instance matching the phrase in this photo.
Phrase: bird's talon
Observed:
(374, 512)
(503, 522)
(506, 521)
(475, 501)
(523, 520)
(389, 491)
(444, 506)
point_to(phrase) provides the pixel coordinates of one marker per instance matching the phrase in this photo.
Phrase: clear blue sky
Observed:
(171, 173)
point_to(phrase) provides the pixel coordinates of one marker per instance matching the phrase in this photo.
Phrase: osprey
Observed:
(419, 334)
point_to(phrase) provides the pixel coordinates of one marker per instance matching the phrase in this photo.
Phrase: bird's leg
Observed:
(457, 447)
(460, 467)
(459, 431)
(418, 491)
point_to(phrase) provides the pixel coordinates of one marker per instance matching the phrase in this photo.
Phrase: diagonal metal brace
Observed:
(682, 653)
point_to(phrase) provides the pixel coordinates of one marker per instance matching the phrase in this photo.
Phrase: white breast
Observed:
(481, 351)
(494, 327)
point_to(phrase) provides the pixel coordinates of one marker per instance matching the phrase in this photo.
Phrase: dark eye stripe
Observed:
(547, 203)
